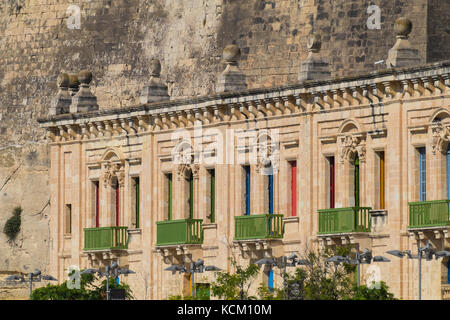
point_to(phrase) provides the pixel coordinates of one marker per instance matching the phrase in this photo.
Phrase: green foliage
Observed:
(12, 225)
(321, 280)
(235, 286)
(380, 292)
(88, 290)
(265, 293)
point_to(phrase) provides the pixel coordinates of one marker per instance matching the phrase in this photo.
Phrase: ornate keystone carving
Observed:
(440, 138)
(351, 144)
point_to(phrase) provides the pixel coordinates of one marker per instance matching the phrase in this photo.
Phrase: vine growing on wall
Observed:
(12, 225)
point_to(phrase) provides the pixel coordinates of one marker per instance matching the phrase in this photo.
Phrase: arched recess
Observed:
(113, 173)
(352, 154)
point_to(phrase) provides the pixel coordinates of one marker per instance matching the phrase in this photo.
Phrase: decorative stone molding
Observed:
(268, 155)
(440, 137)
(111, 170)
(402, 54)
(350, 144)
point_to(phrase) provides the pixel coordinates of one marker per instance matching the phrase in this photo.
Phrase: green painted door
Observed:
(356, 191)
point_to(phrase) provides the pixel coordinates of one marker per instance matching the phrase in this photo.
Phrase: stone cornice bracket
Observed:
(234, 113)
(440, 137)
(117, 127)
(350, 144)
(279, 105)
(337, 98)
(388, 90)
(173, 118)
(346, 97)
(299, 102)
(318, 100)
(407, 92)
(72, 132)
(93, 132)
(270, 106)
(261, 107)
(218, 116)
(190, 116)
(253, 109)
(51, 135)
(166, 121)
(84, 134)
(108, 131)
(208, 118)
(327, 99)
(416, 83)
(437, 83)
(446, 79)
(427, 85)
(376, 92)
(198, 115)
(243, 110)
(100, 128)
(356, 95)
(183, 121)
(288, 104)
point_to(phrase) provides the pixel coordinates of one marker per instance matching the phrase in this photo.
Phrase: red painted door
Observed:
(332, 182)
(97, 213)
(117, 205)
(294, 188)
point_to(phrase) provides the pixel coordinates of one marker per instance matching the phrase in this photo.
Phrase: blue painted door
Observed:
(423, 174)
(270, 191)
(270, 280)
(247, 190)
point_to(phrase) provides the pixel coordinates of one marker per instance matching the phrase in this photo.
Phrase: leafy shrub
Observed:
(12, 225)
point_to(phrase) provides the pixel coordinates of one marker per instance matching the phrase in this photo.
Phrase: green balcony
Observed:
(173, 232)
(344, 220)
(106, 238)
(429, 214)
(263, 226)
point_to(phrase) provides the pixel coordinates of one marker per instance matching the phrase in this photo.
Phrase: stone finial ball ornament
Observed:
(63, 80)
(402, 27)
(314, 42)
(155, 67)
(73, 80)
(231, 53)
(85, 77)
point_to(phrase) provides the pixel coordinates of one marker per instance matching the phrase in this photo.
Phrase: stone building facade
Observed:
(116, 39)
(252, 173)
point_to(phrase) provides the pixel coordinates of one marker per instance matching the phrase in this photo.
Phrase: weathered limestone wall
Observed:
(118, 38)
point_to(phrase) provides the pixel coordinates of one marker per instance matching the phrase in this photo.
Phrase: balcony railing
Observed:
(263, 226)
(344, 220)
(106, 238)
(173, 232)
(428, 214)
